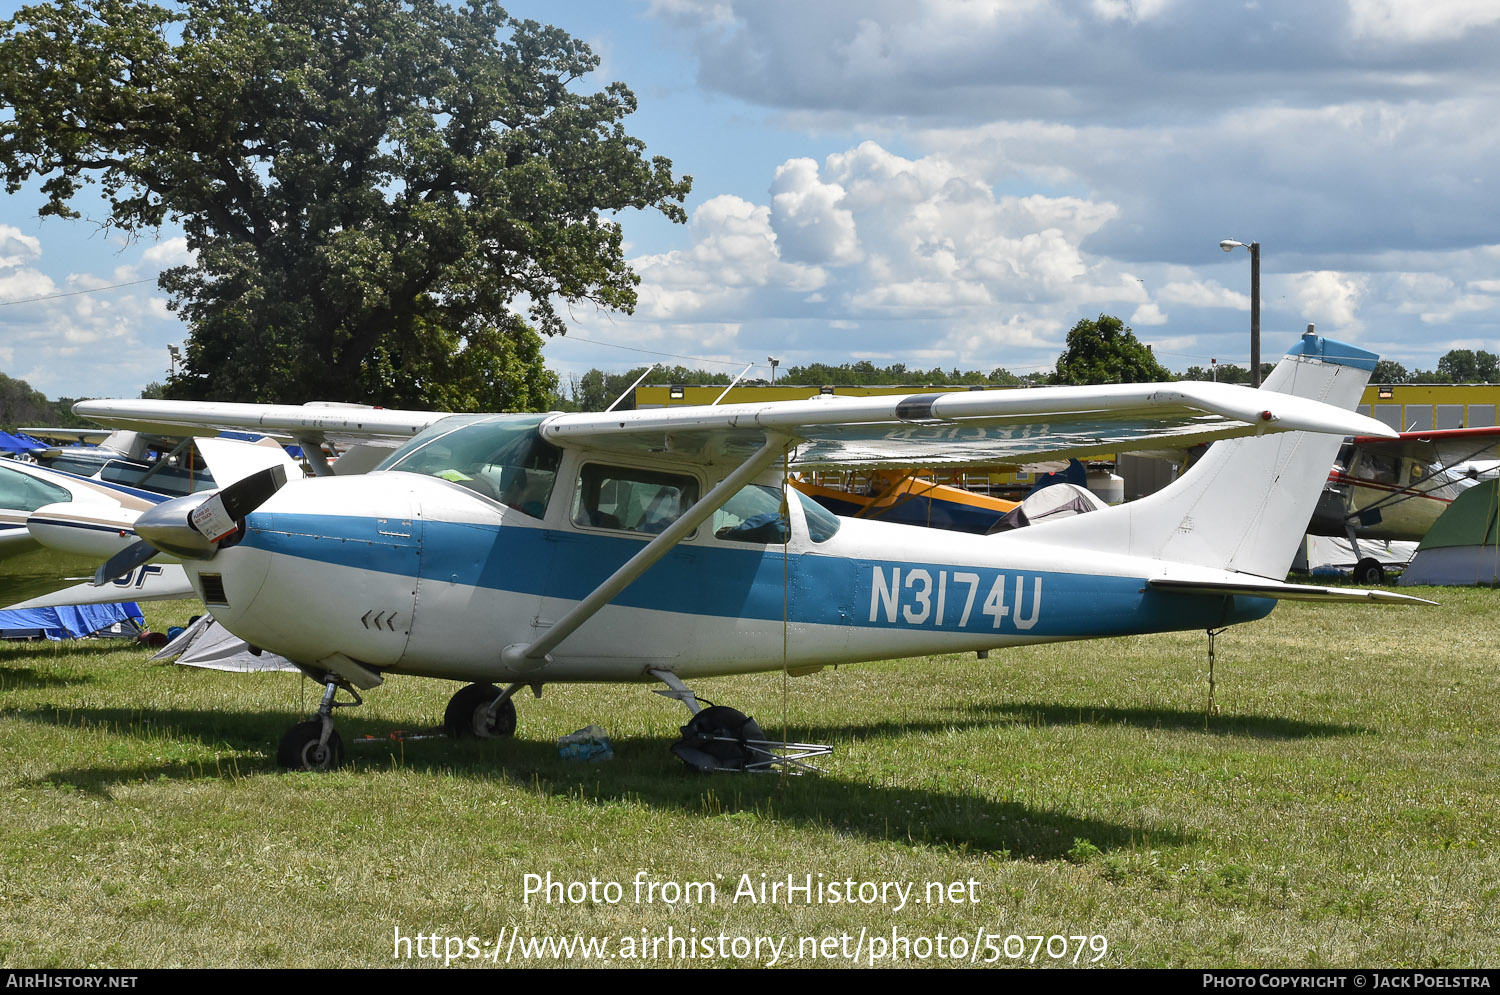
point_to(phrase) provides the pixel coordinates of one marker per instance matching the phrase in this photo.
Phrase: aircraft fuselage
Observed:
(404, 573)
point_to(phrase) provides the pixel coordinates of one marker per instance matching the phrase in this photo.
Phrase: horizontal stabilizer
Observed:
(157, 582)
(1258, 588)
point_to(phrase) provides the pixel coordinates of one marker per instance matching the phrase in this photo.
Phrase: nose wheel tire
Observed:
(300, 748)
(467, 716)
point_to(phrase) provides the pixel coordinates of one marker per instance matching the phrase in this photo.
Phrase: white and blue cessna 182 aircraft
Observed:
(515, 551)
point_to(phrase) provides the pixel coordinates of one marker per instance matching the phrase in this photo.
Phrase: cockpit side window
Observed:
(616, 497)
(1379, 467)
(499, 456)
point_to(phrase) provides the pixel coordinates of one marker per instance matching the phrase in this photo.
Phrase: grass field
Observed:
(1343, 809)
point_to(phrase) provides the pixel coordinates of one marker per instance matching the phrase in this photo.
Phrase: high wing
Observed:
(930, 429)
(1442, 447)
(961, 428)
(89, 436)
(307, 423)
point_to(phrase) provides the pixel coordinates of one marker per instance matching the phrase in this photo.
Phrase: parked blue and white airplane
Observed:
(664, 545)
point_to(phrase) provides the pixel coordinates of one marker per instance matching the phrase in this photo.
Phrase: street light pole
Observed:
(1229, 245)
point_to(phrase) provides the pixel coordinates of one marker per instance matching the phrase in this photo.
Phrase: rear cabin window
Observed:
(615, 497)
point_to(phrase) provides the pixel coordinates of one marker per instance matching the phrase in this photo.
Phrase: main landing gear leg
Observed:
(719, 738)
(315, 744)
(1367, 569)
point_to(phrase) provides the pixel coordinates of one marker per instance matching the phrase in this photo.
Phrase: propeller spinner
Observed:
(193, 527)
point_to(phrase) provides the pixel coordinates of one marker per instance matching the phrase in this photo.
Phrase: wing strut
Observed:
(531, 656)
(312, 451)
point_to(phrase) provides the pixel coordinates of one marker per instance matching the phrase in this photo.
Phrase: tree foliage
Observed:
(371, 187)
(1226, 373)
(1469, 366)
(23, 405)
(1454, 366)
(597, 390)
(1107, 351)
(865, 372)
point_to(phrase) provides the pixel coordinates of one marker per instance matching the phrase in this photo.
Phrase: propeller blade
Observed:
(123, 562)
(244, 496)
(222, 514)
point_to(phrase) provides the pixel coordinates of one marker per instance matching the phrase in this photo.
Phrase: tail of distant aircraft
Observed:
(1245, 505)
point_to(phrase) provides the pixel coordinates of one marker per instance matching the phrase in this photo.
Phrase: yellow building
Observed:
(1416, 407)
(662, 396)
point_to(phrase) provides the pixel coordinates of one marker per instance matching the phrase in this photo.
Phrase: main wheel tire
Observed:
(467, 716)
(299, 749)
(1369, 571)
(715, 739)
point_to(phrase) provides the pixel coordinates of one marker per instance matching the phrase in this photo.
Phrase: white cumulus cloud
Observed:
(1417, 21)
(1329, 299)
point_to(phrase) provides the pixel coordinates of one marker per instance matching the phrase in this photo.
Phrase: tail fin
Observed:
(1245, 505)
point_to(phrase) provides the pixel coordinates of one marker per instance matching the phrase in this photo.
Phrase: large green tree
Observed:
(1468, 366)
(385, 197)
(1107, 351)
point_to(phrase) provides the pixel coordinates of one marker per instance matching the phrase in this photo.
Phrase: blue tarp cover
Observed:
(70, 622)
(19, 443)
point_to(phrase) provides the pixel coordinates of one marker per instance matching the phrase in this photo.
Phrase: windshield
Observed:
(499, 456)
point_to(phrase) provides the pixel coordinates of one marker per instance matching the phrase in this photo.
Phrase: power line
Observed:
(75, 293)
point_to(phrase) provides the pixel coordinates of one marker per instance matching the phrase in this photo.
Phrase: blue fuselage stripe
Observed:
(82, 526)
(754, 582)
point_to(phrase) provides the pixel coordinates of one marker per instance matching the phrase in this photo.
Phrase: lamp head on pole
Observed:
(1229, 245)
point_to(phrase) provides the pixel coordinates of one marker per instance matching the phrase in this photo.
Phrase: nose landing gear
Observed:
(315, 744)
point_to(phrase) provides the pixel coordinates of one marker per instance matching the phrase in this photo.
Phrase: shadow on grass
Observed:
(19, 678)
(1038, 713)
(86, 648)
(642, 773)
(236, 732)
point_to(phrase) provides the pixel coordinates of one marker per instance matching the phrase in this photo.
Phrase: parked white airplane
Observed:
(664, 545)
(53, 524)
(1395, 489)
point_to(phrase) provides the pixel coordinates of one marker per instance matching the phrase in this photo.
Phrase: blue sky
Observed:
(954, 183)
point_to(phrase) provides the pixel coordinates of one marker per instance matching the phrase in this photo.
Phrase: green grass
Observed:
(1343, 809)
